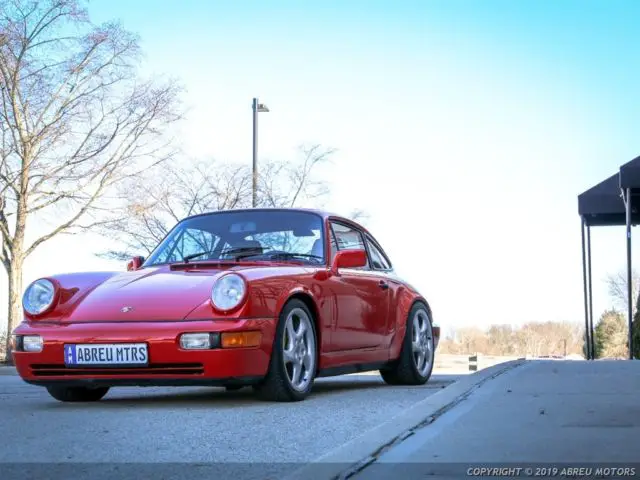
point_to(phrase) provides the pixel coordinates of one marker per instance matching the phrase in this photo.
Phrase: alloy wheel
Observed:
(422, 342)
(299, 349)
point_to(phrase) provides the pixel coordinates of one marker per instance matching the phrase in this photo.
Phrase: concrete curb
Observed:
(6, 370)
(353, 456)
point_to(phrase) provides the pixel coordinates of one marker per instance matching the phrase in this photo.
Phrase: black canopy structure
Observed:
(612, 202)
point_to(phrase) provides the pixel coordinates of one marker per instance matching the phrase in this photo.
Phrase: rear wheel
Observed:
(293, 360)
(77, 394)
(415, 364)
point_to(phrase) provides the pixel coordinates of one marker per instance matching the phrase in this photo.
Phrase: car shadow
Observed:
(218, 397)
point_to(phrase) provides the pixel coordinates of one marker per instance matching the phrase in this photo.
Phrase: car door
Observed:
(362, 297)
(380, 265)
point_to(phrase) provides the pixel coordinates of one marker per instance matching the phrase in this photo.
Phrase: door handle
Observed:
(383, 285)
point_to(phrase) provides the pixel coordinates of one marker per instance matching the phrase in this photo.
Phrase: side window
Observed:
(378, 260)
(346, 238)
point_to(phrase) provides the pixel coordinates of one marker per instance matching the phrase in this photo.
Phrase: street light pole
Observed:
(257, 108)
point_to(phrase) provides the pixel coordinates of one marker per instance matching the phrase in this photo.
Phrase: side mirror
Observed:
(349, 259)
(135, 263)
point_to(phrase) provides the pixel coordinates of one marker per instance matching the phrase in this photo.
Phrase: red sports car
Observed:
(267, 298)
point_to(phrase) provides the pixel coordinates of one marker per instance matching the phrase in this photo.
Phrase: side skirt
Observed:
(354, 368)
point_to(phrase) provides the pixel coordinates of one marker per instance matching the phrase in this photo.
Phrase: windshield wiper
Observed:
(293, 254)
(230, 251)
(192, 256)
(243, 251)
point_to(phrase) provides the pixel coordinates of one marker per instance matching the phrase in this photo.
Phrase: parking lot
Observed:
(205, 425)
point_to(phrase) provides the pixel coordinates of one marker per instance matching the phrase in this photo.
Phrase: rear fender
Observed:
(406, 300)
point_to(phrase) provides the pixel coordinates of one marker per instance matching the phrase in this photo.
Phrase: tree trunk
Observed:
(635, 330)
(15, 302)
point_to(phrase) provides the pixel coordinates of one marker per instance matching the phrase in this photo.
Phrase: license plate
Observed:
(107, 355)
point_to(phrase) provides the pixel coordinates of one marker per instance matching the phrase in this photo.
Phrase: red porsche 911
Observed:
(267, 298)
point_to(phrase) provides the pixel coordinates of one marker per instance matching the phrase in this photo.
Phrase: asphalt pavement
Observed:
(158, 432)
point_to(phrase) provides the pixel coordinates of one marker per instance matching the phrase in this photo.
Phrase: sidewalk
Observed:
(585, 413)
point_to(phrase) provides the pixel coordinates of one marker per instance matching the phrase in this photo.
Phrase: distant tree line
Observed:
(534, 338)
(557, 338)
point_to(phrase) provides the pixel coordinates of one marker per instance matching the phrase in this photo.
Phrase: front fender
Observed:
(319, 302)
(71, 288)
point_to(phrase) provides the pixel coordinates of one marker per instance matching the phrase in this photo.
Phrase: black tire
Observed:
(276, 386)
(77, 394)
(404, 371)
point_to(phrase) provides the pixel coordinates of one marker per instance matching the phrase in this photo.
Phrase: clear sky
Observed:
(466, 129)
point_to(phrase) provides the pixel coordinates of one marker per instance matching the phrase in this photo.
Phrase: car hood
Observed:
(146, 295)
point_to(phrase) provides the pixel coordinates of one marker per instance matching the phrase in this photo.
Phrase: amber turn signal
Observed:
(241, 339)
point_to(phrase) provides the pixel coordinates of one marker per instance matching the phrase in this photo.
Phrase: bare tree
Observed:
(617, 285)
(501, 339)
(75, 121)
(157, 203)
(285, 184)
(360, 215)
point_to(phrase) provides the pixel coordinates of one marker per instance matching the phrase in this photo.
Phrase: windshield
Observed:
(254, 235)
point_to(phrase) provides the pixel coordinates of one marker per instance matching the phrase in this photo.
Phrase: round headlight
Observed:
(38, 297)
(228, 291)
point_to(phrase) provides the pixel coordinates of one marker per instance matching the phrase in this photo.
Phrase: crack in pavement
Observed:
(366, 462)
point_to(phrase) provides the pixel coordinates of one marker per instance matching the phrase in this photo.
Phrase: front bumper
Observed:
(168, 364)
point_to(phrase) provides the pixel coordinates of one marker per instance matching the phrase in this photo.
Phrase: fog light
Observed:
(32, 343)
(241, 339)
(195, 341)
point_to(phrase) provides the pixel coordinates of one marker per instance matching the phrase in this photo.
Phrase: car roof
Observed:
(322, 213)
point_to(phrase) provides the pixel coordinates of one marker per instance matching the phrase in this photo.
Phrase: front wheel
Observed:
(293, 360)
(77, 394)
(415, 364)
